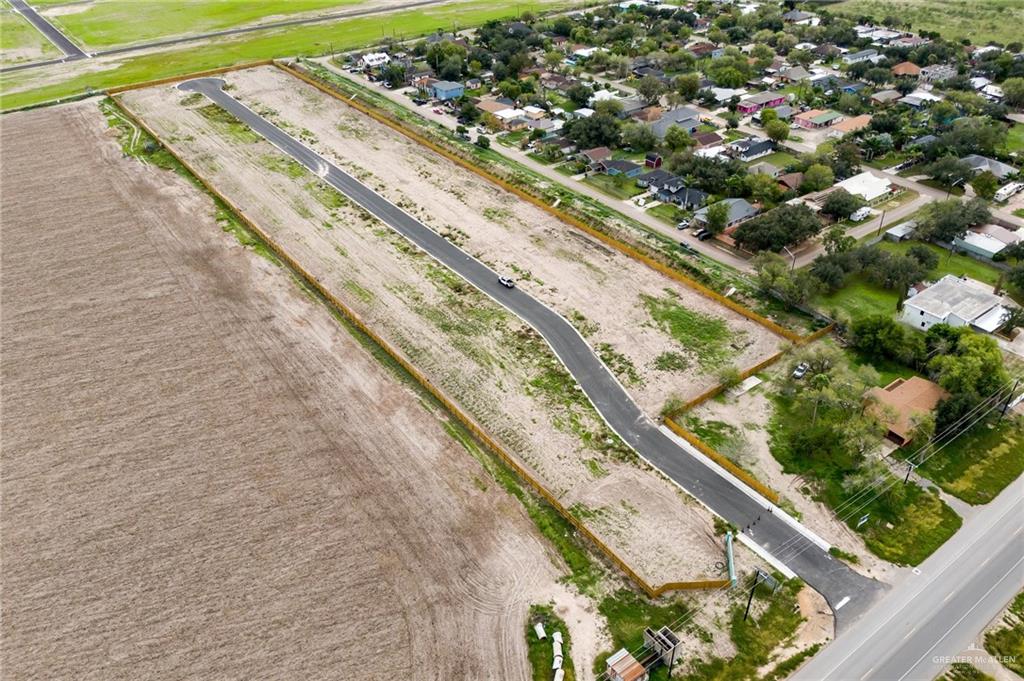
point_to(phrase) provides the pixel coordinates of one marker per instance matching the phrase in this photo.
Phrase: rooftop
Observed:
(903, 399)
(965, 298)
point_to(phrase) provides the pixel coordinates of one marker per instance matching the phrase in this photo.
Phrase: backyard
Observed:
(617, 186)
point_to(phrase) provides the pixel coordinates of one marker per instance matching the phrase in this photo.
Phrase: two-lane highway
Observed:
(788, 542)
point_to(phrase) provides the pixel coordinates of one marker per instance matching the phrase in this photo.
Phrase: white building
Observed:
(374, 60)
(957, 302)
(867, 186)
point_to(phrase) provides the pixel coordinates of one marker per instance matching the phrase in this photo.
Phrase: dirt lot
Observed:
(597, 288)
(205, 476)
(497, 368)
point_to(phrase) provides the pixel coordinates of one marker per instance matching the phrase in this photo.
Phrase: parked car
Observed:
(683, 224)
(704, 236)
(801, 370)
(438, 110)
(506, 282)
(697, 231)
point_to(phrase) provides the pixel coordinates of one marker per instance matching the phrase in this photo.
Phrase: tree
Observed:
(946, 220)
(687, 85)
(836, 240)
(650, 89)
(468, 111)
(553, 58)
(948, 170)
(846, 161)
(394, 74)
(638, 137)
(762, 187)
(784, 226)
(840, 204)
(716, 217)
(985, 184)
(677, 139)
(882, 337)
(768, 115)
(483, 142)
(1013, 318)
(777, 130)
(1013, 91)
(771, 269)
(731, 119)
(817, 177)
(849, 103)
(579, 94)
(600, 130)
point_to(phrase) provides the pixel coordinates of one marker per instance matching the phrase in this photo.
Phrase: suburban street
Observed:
(70, 50)
(847, 592)
(913, 631)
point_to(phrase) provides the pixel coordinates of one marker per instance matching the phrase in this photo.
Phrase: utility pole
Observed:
(1006, 405)
(910, 467)
(757, 580)
(881, 221)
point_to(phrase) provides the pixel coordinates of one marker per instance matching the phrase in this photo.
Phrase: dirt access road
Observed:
(204, 475)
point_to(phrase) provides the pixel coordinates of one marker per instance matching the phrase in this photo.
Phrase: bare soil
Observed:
(204, 475)
(591, 284)
(490, 362)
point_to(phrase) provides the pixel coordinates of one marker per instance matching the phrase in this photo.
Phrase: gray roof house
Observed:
(654, 179)
(856, 57)
(739, 210)
(749, 148)
(687, 197)
(686, 118)
(980, 164)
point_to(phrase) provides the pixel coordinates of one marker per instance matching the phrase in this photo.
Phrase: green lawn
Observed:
(1015, 138)
(962, 671)
(668, 212)
(540, 651)
(955, 264)
(20, 41)
(25, 88)
(105, 23)
(1008, 640)
(979, 464)
(705, 336)
(976, 20)
(779, 159)
(888, 370)
(618, 186)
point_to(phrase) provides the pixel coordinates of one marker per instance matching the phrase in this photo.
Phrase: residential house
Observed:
(883, 97)
(817, 118)
(615, 167)
(957, 302)
(987, 240)
(791, 181)
(937, 73)
(374, 60)
(899, 405)
(848, 125)
(702, 50)
(919, 99)
(648, 114)
(682, 196)
(783, 112)
(980, 164)
(764, 168)
(445, 90)
(865, 185)
(707, 139)
(801, 18)
(684, 117)
(862, 55)
(749, 148)
(795, 74)
(906, 69)
(739, 211)
(761, 100)
(654, 179)
(921, 141)
(909, 41)
(825, 51)
(594, 156)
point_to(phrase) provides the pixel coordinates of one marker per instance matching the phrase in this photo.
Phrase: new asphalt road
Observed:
(841, 586)
(70, 50)
(913, 633)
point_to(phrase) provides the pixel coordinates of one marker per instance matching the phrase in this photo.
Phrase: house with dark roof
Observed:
(707, 139)
(980, 164)
(749, 148)
(791, 181)
(615, 167)
(739, 211)
(594, 156)
(684, 197)
(654, 179)
(885, 96)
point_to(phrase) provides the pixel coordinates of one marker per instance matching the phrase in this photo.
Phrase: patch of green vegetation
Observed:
(779, 159)
(1007, 641)
(582, 324)
(981, 462)
(888, 370)
(955, 20)
(595, 468)
(359, 292)
(858, 299)
(668, 212)
(617, 186)
(845, 555)
(541, 652)
(620, 365)
(754, 638)
(714, 433)
(962, 671)
(628, 613)
(905, 523)
(326, 195)
(783, 669)
(1014, 139)
(285, 165)
(497, 214)
(226, 123)
(950, 263)
(707, 337)
(1019, 212)
(671, 361)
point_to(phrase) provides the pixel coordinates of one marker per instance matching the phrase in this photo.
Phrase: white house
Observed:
(374, 60)
(957, 302)
(867, 186)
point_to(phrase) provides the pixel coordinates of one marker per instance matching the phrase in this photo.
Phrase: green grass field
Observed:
(540, 652)
(20, 41)
(979, 464)
(977, 20)
(1015, 138)
(1008, 641)
(23, 88)
(617, 187)
(779, 159)
(106, 23)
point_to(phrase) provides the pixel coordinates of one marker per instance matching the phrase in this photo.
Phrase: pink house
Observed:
(761, 100)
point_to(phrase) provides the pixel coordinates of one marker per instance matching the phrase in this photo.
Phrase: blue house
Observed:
(616, 167)
(446, 89)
